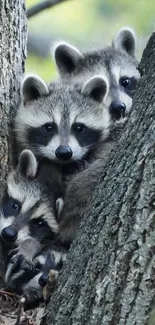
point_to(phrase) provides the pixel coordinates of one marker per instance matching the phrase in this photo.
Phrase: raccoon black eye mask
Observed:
(128, 84)
(42, 135)
(73, 119)
(10, 207)
(85, 136)
(116, 62)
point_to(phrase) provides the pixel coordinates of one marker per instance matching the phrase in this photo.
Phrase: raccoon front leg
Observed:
(26, 252)
(78, 195)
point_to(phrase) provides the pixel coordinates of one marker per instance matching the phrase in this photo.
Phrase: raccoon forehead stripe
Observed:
(27, 196)
(124, 70)
(42, 209)
(93, 121)
(14, 190)
(51, 222)
(32, 118)
(30, 202)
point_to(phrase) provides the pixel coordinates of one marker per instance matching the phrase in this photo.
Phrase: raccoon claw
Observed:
(24, 264)
(27, 265)
(12, 253)
(17, 259)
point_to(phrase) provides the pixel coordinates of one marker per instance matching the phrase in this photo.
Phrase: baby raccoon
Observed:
(30, 283)
(65, 124)
(116, 64)
(30, 207)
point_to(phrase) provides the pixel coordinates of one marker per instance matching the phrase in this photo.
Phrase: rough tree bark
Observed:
(109, 277)
(13, 37)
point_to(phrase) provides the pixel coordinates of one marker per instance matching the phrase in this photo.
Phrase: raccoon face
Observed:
(47, 261)
(66, 124)
(31, 282)
(27, 209)
(116, 63)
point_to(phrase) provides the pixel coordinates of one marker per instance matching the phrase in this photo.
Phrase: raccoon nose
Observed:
(63, 152)
(43, 280)
(9, 234)
(117, 109)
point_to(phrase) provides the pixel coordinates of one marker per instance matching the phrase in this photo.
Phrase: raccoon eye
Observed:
(48, 127)
(125, 82)
(40, 223)
(79, 127)
(10, 207)
(16, 206)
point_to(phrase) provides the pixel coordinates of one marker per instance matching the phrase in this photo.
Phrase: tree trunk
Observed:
(109, 277)
(13, 37)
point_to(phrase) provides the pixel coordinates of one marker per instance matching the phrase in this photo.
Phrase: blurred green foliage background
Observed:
(84, 23)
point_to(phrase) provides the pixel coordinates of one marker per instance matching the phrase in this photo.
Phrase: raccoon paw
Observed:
(23, 262)
(27, 265)
(12, 253)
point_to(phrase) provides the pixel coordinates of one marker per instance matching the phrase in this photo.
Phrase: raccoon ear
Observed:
(95, 88)
(28, 164)
(125, 40)
(59, 206)
(67, 57)
(33, 87)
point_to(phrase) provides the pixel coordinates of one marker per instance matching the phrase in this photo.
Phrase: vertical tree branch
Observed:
(13, 38)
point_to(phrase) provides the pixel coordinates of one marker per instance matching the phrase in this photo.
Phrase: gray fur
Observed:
(64, 106)
(47, 260)
(112, 63)
(38, 203)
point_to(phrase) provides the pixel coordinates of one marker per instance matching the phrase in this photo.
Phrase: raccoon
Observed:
(116, 64)
(30, 283)
(30, 208)
(66, 125)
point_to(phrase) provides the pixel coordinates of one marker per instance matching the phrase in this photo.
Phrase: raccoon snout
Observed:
(9, 234)
(63, 152)
(43, 280)
(117, 109)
